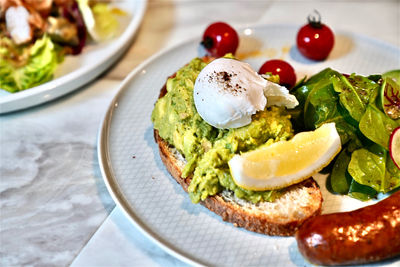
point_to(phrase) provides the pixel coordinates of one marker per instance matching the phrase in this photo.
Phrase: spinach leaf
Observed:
(322, 107)
(376, 126)
(347, 133)
(340, 179)
(349, 97)
(361, 192)
(368, 167)
(355, 92)
(392, 175)
(321, 104)
(303, 88)
(366, 88)
(348, 130)
(324, 74)
(375, 77)
(302, 91)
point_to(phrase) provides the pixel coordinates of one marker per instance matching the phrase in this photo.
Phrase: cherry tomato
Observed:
(315, 40)
(287, 76)
(219, 39)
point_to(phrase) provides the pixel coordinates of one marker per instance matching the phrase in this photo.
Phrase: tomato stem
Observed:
(207, 42)
(314, 21)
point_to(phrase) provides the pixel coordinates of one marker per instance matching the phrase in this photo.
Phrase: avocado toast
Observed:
(196, 155)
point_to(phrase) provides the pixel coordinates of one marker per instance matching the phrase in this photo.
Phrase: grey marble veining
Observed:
(52, 197)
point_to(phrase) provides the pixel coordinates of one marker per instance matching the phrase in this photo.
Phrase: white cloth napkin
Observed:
(119, 243)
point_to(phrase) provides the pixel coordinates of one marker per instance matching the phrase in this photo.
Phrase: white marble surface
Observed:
(52, 197)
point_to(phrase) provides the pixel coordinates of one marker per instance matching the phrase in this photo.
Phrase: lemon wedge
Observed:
(286, 162)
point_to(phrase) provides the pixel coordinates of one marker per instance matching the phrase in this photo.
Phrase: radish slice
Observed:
(394, 146)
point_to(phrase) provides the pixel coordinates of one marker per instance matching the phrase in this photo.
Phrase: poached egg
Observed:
(227, 92)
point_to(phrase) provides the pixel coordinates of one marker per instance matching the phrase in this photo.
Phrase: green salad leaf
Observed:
(390, 95)
(349, 97)
(320, 105)
(393, 74)
(42, 58)
(373, 167)
(100, 19)
(368, 168)
(392, 174)
(319, 102)
(340, 179)
(376, 126)
(364, 167)
(361, 192)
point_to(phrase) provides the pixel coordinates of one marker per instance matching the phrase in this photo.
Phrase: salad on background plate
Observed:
(56, 46)
(36, 35)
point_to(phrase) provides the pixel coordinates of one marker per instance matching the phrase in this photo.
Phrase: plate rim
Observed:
(107, 170)
(18, 101)
(104, 131)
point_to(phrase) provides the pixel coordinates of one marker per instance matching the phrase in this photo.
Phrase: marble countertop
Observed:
(54, 206)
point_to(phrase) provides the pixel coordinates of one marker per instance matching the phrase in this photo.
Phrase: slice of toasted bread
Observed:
(279, 218)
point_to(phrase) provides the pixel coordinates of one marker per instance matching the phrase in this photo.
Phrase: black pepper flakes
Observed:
(224, 79)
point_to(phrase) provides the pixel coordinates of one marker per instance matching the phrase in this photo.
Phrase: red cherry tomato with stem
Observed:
(219, 39)
(286, 73)
(315, 40)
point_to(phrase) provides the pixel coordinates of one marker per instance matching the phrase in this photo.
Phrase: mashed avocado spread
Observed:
(208, 149)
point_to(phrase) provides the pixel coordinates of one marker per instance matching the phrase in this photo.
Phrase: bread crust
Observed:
(235, 213)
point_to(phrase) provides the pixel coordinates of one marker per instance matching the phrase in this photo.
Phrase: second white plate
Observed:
(78, 70)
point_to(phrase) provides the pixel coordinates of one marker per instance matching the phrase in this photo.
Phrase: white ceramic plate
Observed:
(157, 205)
(76, 71)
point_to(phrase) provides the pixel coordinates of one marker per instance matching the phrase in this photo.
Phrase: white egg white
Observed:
(227, 92)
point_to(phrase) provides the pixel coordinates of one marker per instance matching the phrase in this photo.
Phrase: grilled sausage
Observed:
(365, 235)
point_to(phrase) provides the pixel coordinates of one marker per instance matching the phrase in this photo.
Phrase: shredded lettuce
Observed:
(43, 58)
(100, 19)
(106, 22)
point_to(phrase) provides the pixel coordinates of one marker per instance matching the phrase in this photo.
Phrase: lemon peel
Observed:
(286, 162)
